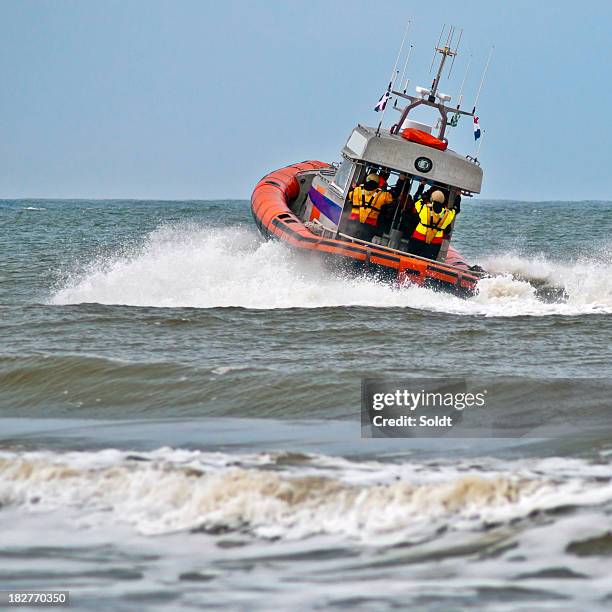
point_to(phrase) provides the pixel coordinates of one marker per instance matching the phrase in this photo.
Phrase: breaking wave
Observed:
(203, 267)
(293, 496)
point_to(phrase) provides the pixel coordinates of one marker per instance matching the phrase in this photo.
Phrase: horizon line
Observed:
(234, 199)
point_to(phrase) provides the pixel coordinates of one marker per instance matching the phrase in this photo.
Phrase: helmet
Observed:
(437, 196)
(372, 177)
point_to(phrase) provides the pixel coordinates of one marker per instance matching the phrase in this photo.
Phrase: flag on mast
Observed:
(476, 128)
(380, 106)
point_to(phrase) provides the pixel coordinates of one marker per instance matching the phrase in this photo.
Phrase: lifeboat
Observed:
(310, 205)
(273, 203)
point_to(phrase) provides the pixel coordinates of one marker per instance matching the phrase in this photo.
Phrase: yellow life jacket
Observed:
(431, 225)
(366, 205)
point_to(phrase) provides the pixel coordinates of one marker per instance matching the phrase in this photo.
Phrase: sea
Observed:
(180, 415)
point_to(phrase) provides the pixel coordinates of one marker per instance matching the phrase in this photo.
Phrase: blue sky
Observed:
(198, 99)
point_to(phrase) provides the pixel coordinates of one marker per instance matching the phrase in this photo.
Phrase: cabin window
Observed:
(343, 175)
(397, 219)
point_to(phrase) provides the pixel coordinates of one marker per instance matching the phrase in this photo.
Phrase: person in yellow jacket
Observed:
(367, 200)
(433, 219)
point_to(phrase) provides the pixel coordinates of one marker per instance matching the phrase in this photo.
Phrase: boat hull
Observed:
(270, 205)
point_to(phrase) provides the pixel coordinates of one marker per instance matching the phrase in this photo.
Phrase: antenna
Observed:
(449, 38)
(483, 77)
(433, 59)
(404, 70)
(400, 50)
(456, 51)
(467, 70)
(393, 75)
(446, 52)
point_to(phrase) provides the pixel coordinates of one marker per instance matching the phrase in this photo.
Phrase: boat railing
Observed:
(325, 232)
(391, 250)
(321, 230)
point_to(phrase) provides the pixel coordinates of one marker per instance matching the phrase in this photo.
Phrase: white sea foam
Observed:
(169, 490)
(192, 266)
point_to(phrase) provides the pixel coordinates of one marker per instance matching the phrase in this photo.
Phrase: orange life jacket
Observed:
(366, 205)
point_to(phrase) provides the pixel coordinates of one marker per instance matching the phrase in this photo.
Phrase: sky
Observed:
(184, 99)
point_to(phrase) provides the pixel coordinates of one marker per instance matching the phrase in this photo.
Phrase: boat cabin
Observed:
(409, 165)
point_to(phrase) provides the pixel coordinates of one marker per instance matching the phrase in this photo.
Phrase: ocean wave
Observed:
(203, 267)
(168, 490)
(62, 385)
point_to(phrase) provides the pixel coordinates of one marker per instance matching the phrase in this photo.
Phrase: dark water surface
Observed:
(179, 416)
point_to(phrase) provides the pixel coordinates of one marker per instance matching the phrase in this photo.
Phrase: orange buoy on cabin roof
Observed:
(421, 137)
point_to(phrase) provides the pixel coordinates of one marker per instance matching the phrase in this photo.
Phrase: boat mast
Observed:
(446, 52)
(430, 97)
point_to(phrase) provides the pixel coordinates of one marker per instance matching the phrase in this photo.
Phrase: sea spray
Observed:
(187, 265)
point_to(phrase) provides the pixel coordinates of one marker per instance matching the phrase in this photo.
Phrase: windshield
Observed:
(343, 174)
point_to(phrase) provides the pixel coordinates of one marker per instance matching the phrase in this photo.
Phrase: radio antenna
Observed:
(405, 67)
(399, 54)
(445, 52)
(456, 51)
(483, 77)
(451, 35)
(467, 70)
(433, 59)
(393, 76)
(454, 122)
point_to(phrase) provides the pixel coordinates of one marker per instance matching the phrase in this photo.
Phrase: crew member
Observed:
(390, 215)
(383, 179)
(434, 219)
(366, 201)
